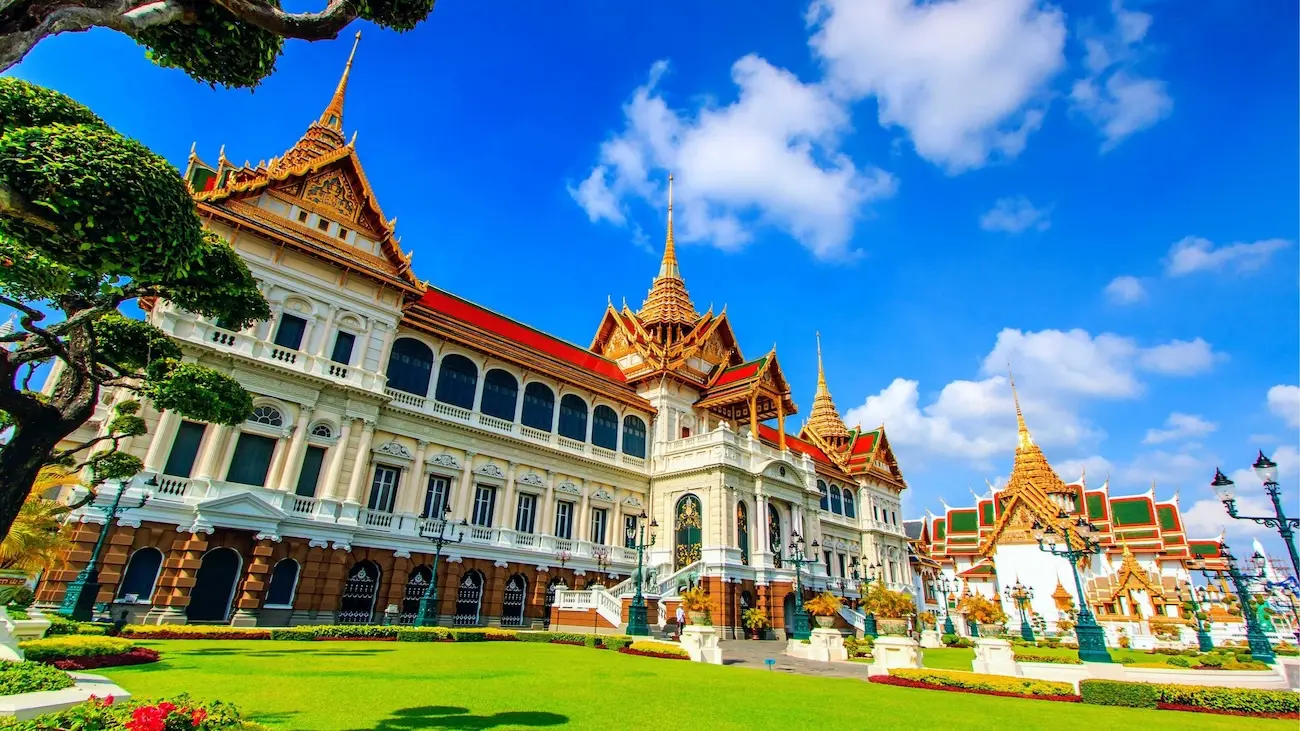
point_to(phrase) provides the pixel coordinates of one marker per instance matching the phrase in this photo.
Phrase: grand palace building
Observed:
(385, 406)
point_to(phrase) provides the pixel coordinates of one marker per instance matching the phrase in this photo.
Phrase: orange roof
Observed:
(795, 444)
(740, 372)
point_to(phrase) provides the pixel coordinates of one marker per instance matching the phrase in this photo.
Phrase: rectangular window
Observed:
(289, 333)
(875, 511)
(323, 224)
(185, 449)
(485, 501)
(564, 519)
(435, 497)
(629, 531)
(383, 491)
(343, 232)
(526, 513)
(826, 557)
(252, 460)
(302, 216)
(843, 559)
(599, 519)
(310, 474)
(343, 343)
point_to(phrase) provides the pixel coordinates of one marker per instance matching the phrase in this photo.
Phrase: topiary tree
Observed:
(90, 220)
(229, 42)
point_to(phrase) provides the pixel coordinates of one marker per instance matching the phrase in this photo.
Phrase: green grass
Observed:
(394, 686)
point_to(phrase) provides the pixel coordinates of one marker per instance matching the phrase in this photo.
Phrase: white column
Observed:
(387, 347)
(408, 497)
(325, 328)
(163, 435)
(264, 328)
(213, 447)
(506, 508)
(584, 511)
(338, 452)
(478, 386)
(465, 494)
(519, 404)
(222, 466)
(615, 530)
(546, 526)
(308, 330)
(361, 465)
(297, 447)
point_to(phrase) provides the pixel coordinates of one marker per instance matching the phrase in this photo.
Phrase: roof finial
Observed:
(1022, 431)
(825, 419)
(821, 372)
(668, 304)
(333, 114)
(669, 267)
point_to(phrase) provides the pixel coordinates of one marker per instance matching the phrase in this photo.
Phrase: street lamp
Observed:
(601, 554)
(864, 574)
(1092, 638)
(946, 586)
(79, 598)
(1260, 649)
(1188, 594)
(427, 614)
(1021, 595)
(636, 612)
(1266, 469)
(800, 559)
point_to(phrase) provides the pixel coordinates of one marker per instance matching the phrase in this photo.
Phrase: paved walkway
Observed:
(753, 653)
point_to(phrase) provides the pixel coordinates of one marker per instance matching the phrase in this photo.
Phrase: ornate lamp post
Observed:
(636, 611)
(427, 614)
(1077, 536)
(800, 559)
(864, 574)
(1188, 594)
(1266, 469)
(79, 599)
(946, 586)
(1260, 648)
(601, 554)
(1021, 595)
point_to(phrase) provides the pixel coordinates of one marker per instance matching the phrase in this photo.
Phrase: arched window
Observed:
(837, 506)
(686, 530)
(821, 487)
(214, 586)
(513, 601)
(417, 586)
(267, 415)
(357, 605)
(774, 534)
(141, 575)
(457, 379)
(469, 599)
(284, 582)
(634, 436)
(604, 427)
(850, 511)
(500, 391)
(322, 430)
(573, 418)
(409, 366)
(539, 406)
(742, 532)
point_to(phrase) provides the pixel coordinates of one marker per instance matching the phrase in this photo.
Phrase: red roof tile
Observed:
(485, 319)
(771, 436)
(865, 442)
(740, 372)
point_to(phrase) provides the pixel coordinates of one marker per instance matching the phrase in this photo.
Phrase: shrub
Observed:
(1239, 700)
(50, 649)
(134, 656)
(994, 683)
(1191, 653)
(949, 640)
(193, 632)
(61, 625)
(30, 677)
(616, 643)
(178, 713)
(857, 648)
(979, 609)
(1286, 648)
(423, 634)
(655, 649)
(1212, 660)
(1178, 661)
(1118, 693)
(1056, 659)
(824, 604)
(1247, 665)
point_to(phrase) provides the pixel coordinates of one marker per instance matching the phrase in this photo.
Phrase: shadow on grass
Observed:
(317, 651)
(455, 717)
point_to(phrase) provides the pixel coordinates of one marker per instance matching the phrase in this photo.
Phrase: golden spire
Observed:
(668, 267)
(1025, 440)
(333, 114)
(668, 303)
(824, 421)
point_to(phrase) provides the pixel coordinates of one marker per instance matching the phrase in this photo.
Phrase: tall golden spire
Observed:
(668, 304)
(1025, 439)
(333, 114)
(669, 267)
(824, 421)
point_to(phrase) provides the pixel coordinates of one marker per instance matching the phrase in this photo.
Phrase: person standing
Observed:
(681, 620)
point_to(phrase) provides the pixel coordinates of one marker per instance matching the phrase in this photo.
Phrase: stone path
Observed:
(752, 653)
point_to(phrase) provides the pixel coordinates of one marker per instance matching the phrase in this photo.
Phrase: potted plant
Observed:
(928, 620)
(696, 604)
(988, 614)
(756, 622)
(890, 608)
(823, 607)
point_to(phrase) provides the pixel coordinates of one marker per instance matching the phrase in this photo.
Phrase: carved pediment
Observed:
(444, 460)
(332, 190)
(532, 478)
(394, 449)
(570, 488)
(491, 470)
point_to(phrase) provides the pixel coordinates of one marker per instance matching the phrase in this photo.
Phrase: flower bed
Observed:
(647, 648)
(892, 679)
(994, 683)
(63, 647)
(30, 677)
(193, 632)
(105, 715)
(1201, 698)
(1039, 657)
(134, 656)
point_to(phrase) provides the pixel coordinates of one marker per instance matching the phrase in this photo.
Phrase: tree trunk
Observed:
(21, 461)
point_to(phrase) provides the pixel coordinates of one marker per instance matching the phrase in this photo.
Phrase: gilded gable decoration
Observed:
(332, 191)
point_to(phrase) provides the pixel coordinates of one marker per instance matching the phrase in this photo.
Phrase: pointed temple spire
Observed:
(333, 114)
(325, 135)
(1025, 439)
(668, 304)
(824, 421)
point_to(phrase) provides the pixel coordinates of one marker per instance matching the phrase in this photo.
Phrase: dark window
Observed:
(849, 509)
(343, 344)
(629, 531)
(634, 436)
(302, 216)
(251, 460)
(837, 506)
(485, 501)
(185, 448)
(289, 333)
(599, 519)
(141, 575)
(409, 366)
(573, 418)
(343, 233)
(842, 559)
(284, 579)
(435, 497)
(827, 555)
(500, 392)
(310, 474)
(564, 519)
(456, 381)
(383, 491)
(604, 427)
(742, 532)
(539, 406)
(821, 487)
(526, 514)
(322, 224)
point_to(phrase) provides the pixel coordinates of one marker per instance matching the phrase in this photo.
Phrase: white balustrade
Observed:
(403, 398)
(496, 423)
(535, 434)
(377, 519)
(171, 487)
(303, 505)
(573, 444)
(452, 412)
(603, 453)
(482, 534)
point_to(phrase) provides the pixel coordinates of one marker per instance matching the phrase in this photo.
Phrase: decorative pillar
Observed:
(465, 494)
(615, 531)
(163, 435)
(256, 577)
(584, 513)
(753, 416)
(214, 447)
(361, 465)
(408, 500)
(297, 448)
(780, 424)
(547, 526)
(180, 566)
(262, 330)
(324, 329)
(507, 507)
(335, 471)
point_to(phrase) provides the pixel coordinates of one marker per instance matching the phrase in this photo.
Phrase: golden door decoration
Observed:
(687, 530)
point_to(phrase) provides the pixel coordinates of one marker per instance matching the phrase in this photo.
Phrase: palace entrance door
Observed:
(214, 586)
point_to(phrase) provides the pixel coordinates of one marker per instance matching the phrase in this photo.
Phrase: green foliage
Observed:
(887, 604)
(422, 634)
(61, 625)
(219, 285)
(30, 677)
(198, 392)
(114, 465)
(1041, 657)
(1212, 660)
(178, 712)
(62, 647)
(1150, 695)
(216, 48)
(1178, 661)
(657, 648)
(1118, 693)
(131, 343)
(755, 619)
(977, 681)
(400, 15)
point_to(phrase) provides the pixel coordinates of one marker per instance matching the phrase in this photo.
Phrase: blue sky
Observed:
(939, 189)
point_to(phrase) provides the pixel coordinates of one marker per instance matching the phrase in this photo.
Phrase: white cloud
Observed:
(770, 157)
(1114, 95)
(1095, 468)
(1180, 357)
(1180, 426)
(1125, 290)
(1284, 402)
(1016, 215)
(1195, 254)
(1207, 516)
(966, 79)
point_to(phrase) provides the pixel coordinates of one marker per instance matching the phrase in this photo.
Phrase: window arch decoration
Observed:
(284, 585)
(322, 430)
(821, 487)
(141, 575)
(500, 392)
(687, 532)
(267, 415)
(539, 406)
(457, 381)
(410, 366)
(837, 504)
(634, 433)
(742, 531)
(573, 417)
(604, 427)
(850, 510)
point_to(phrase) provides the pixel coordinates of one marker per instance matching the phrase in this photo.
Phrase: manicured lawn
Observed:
(396, 686)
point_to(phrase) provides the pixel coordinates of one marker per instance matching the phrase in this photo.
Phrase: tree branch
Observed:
(31, 316)
(321, 26)
(115, 14)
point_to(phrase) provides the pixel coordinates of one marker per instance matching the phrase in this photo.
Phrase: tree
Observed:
(230, 42)
(90, 220)
(888, 604)
(981, 609)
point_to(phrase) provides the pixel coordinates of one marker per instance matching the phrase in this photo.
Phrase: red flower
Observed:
(107, 702)
(198, 716)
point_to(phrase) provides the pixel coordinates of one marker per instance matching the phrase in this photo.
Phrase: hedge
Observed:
(62, 647)
(134, 656)
(650, 648)
(994, 683)
(1245, 701)
(1056, 659)
(61, 625)
(193, 632)
(31, 677)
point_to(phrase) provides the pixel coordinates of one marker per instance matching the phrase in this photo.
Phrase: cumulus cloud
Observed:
(1180, 426)
(1015, 215)
(1206, 516)
(1114, 95)
(1125, 290)
(966, 80)
(771, 157)
(1284, 402)
(1195, 254)
(1180, 357)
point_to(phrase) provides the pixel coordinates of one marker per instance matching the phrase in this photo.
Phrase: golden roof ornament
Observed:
(325, 135)
(824, 420)
(668, 303)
